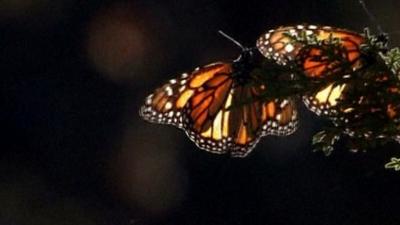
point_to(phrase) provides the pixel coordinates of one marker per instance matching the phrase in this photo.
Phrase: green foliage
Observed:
(393, 164)
(392, 60)
(325, 140)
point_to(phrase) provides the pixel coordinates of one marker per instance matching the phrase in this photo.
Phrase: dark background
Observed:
(74, 150)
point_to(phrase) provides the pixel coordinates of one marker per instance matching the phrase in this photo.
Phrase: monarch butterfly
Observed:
(217, 105)
(281, 45)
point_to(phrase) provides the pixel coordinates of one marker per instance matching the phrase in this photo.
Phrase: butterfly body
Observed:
(243, 66)
(218, 107)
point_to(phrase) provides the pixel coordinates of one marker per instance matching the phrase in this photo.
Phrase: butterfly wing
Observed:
(167, 104)
(259, 118)
(202, 103)
(238, 122)
(280, 45)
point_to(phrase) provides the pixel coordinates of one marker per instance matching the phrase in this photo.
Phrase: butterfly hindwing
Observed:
(237, 124)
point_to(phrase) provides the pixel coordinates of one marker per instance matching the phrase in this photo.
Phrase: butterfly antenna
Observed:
(231, 39)
(371, 16)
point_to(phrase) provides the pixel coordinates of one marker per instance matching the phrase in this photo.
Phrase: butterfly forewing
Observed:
(166, 104)
(218, 113)
(282, 43)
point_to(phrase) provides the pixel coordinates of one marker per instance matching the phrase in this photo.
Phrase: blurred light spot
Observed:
(148, 171)
(116, 41)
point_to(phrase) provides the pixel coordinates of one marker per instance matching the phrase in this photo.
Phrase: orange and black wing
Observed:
(236, 122)
(167, 104)
(218, 114)
(281, 45)
(259, 118)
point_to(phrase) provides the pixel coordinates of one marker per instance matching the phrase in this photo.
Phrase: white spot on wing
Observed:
(289, 48)
(312, 27)
(284, 103)
(171, 114)
(169, 91)
(148, 101)
(168, 105)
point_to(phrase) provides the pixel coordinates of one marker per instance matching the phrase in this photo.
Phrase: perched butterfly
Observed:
(219, 108)
(284, 45)
(325, 52)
